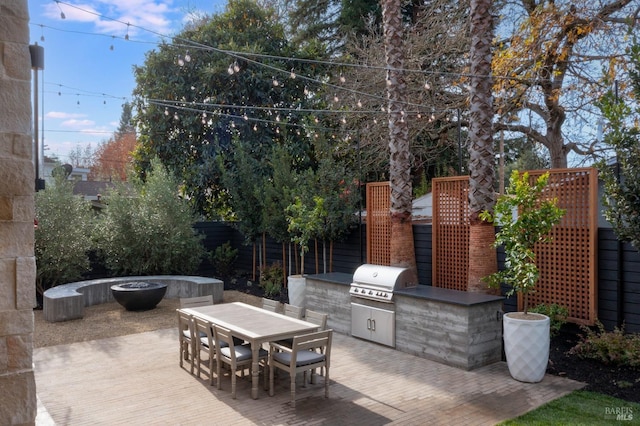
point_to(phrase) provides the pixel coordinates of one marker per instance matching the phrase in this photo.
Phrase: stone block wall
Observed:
(17, 182)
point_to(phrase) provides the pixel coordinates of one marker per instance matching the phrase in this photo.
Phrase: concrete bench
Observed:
(67, 301)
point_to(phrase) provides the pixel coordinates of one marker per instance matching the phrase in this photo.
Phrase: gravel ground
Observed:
(112, 320)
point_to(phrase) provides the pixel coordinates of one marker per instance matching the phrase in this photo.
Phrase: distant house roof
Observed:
(423, 209)
(91, 189)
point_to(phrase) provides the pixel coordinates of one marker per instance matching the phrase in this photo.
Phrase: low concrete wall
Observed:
(67, 301)
(456, 328)
(329, 294)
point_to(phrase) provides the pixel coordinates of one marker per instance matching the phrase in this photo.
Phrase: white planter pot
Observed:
(297, 290)
(526, 345)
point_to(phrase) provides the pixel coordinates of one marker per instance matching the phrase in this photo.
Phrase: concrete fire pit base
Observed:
(139, 295)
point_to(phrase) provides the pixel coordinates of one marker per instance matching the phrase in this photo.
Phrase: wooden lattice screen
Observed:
(568, 265)
(450, 241)
(378, 223)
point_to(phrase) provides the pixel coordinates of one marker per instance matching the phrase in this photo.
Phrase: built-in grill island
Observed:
(453, 327)
(372, 304)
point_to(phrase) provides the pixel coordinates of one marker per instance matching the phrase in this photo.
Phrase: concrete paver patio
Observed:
(136, 379)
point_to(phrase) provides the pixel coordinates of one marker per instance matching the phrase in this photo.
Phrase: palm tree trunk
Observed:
(482, 257)
(402, 246)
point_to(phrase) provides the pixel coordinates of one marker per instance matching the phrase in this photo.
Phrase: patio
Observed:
(136, 379)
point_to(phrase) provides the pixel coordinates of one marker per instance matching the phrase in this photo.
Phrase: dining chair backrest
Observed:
(235, 355)
(204, 343)
(185, 338)
(193, 302)
(293, 311)
(270, 305)
(317, 318)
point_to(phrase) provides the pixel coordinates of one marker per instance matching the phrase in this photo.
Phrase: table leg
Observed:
(255, 369)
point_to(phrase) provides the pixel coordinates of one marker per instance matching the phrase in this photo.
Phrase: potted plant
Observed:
(525, 218)
(304, 224)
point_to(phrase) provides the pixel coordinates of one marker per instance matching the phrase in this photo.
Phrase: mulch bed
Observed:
(616, 381)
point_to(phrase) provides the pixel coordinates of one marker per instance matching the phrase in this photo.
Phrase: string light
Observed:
(126, 36)
(62, 15)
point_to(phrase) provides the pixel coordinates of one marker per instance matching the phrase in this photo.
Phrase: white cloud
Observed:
(77, 124)
(63, 115)
(112, 16)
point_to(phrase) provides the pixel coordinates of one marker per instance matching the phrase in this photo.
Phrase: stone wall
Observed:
(17, 182)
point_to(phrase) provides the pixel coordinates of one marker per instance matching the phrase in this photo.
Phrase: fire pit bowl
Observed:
(139, 295)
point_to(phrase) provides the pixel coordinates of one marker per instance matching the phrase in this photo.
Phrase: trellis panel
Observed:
(568, 264)
(450, 244)
(378, 223)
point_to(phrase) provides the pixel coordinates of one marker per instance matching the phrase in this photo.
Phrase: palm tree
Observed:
(482, 257)
(402, 248)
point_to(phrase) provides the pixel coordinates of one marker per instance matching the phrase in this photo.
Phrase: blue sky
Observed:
(85, 81)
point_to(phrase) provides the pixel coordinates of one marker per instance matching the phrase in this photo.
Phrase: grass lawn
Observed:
(581, 408)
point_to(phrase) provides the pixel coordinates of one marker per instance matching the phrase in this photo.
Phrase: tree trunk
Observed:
(402, 247)
(482, 257)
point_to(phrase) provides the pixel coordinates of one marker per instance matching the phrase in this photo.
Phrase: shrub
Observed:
(271, 278)
(613, 347)
(63, 235)
(147, 229)
(224, 258)
(556, 313)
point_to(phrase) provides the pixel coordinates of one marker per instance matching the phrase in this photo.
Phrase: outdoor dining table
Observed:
(254, 325)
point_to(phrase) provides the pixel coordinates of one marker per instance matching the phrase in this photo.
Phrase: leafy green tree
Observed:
(621, 183)
(62, 236)
(147, 228)
(192, 96)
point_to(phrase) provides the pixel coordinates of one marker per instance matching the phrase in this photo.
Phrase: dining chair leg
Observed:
(293, 390)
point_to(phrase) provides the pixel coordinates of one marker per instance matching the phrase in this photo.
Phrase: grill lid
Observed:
(384, 277)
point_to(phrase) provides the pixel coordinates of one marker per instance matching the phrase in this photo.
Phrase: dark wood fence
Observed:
(618, 266)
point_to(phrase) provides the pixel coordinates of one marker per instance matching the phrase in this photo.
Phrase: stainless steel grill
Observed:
(378, 282)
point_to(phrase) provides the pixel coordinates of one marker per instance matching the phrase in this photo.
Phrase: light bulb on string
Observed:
(292, 74)
(236, 67)
(306, 91)
(342, 79)
(375, 121)
(166, 111)
(180, 61)
(255, 127)
(126, 36)
(175, 116)
(230, 70)
(276, 83)
(41, 32)
(427, 86)
(343, 120)
(335, 98)
(359, 103)
(62, 15)
(111, 47)
(187, 57)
